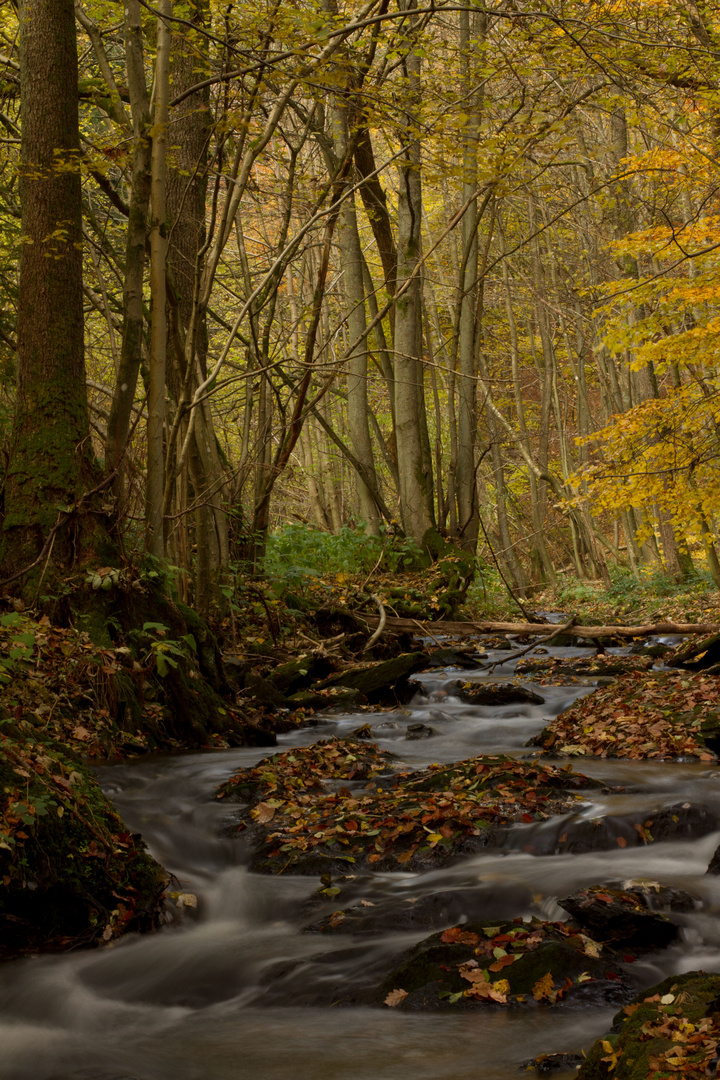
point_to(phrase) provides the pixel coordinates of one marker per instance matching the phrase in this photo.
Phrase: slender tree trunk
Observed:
(118, 428)
(415, 479)
(154, 535)
(466, 482)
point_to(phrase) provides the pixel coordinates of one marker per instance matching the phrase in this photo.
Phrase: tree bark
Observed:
(154, 531)
(118, 428)
(51, 459)
(414, 471)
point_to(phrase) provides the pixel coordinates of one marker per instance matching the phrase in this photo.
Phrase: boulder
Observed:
(73, 875)
(619, 917)
(668, 1030)
(385, 683)
(487, 693)
(509, 964)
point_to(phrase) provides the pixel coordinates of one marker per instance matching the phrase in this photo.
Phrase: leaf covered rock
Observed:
(642, 715)
(510, 964)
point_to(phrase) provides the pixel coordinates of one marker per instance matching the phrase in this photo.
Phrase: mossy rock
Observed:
(191, 689)
(508, 964)
(383, 683)
(72, 873)
(487, 693)
(668, 1030)
(300, 673)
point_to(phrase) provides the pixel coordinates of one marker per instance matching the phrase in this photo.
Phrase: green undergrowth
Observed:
(305, 569)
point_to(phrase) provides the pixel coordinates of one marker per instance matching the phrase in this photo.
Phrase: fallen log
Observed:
(467, 629)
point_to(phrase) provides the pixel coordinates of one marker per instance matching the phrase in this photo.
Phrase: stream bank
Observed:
(238, 977)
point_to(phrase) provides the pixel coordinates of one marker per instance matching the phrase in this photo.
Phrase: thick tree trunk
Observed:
(51, 461)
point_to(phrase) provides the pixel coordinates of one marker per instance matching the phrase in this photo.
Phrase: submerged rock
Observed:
(462, 658)
(435, 911)
(546, 1064)
(670, 1029)
(510, 964)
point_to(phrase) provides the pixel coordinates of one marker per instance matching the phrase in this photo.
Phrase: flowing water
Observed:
(235, 989)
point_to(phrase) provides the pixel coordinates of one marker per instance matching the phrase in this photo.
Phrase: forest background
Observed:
(300, 286)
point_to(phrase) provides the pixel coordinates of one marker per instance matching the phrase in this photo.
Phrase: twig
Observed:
(380, 626)
(533, 645)
(505, 582)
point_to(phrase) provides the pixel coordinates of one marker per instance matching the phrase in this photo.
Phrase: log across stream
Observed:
(236, 989)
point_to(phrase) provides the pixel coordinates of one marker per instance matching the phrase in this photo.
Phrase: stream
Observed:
(235, 989)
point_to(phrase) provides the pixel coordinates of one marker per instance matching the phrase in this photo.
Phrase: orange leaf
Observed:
(621, 841)
(395, 997)
(502, 962)
(544, 987)
(457, 936)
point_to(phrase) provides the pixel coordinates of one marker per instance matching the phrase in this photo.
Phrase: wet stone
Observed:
(620, 917)
(583, 835)
(493, 693)
(671, 1029)
(419, 731)
(547, 1064)
(511, 964)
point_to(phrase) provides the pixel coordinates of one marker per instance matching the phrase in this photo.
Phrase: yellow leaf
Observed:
(543, 988)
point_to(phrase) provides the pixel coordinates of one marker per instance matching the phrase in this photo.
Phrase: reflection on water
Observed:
(238, 989)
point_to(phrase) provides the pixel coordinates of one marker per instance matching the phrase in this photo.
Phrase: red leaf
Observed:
(621, 841)
(457, 936)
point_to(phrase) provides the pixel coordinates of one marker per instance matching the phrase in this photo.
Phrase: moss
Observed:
(431, 971)
(638, 1041)
(72, 873)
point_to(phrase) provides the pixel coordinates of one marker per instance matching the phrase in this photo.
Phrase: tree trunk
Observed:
(133, 315)
(51, 460)
(415, 478)
(154, 531)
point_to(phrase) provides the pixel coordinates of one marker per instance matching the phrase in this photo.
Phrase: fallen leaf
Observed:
(457, 936)
(262, 813)
(544, 987)
(395, 997)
